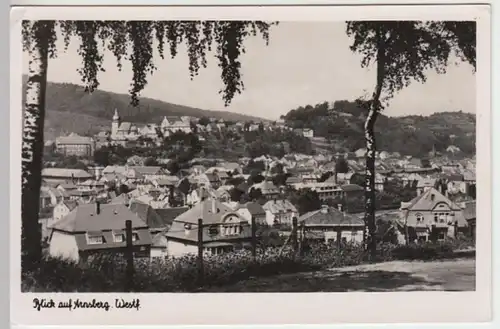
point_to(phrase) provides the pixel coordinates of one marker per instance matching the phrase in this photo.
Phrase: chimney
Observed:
(432, 197)
(97, 207)
(339, 207)
(73, 178)
(214, 209)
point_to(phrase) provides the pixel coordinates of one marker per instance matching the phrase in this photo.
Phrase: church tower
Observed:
(115, 125)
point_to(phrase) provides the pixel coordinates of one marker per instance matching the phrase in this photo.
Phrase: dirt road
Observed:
(449, 275)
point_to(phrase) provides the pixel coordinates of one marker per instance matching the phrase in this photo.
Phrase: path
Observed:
(449, 275)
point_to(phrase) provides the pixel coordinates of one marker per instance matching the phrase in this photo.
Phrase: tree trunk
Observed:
(375, 107)
(32, 146)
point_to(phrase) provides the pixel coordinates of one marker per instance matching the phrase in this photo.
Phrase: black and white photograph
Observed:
(249, 155)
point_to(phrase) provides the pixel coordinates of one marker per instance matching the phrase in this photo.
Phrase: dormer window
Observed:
(135, 236)
(119, 237)
(95, 239)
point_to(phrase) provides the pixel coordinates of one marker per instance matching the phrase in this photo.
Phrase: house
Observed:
(325, 190)
(222, 193)
(455, 183)
(232, 167)
(280, 212)
(469, 209)
(432, 216)
(252, 209)
(384, 155)
(45, 199)
(360, 153)
(93, 228)
(307, 132)
(157, 220)
(195, 196)
(424, 184)
(268, 189)
(223, 230)
(67, 186)
(332, 224)
(351, 190)
(209, 180)
(61, 175)
(55, 195)
(145, 173)
(76, 145)
(63, 208)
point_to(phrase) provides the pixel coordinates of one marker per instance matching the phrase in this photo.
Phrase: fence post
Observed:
(254, 239)
(339, 237)
(129, 254)
(302, 238)
(294, 234)
(200, 252)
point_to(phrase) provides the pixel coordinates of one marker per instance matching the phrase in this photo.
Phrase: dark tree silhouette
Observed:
(402, 51)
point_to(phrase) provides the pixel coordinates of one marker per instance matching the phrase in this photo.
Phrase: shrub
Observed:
(106, 272)
(426, 251)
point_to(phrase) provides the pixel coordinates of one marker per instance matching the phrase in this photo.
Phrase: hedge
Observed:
(106, 272)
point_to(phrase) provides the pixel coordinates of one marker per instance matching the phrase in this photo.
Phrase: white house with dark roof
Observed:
(94, 228)
(62, 209)
(431, 215)
(252, 209)
(332, 224)
(224, 230)
(280, 212)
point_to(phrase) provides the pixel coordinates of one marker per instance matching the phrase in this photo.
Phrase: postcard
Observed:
(250, 165)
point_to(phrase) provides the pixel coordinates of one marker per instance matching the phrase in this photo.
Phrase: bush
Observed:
(106, 272)
(426, 251)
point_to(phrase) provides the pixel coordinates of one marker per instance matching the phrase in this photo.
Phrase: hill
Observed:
(71, 109)
(341, 124)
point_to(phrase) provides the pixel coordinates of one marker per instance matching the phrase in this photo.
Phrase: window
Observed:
(95, 239)
(420, 218)
(120, 237)
(441, 236)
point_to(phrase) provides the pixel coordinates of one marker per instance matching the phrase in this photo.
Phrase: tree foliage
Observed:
(135, 41)
(411, 48)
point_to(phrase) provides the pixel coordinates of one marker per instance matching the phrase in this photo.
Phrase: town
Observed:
(166, 178)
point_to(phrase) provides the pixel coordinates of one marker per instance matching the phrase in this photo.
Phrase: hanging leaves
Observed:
(90, 53)
(134, 40)
(411, 48)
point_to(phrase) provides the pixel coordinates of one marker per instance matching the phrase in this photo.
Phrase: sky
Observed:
(304, 63)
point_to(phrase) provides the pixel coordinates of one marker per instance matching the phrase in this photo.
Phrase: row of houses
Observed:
(89, 228)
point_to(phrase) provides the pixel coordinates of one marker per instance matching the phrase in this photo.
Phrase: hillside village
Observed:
(164, 176)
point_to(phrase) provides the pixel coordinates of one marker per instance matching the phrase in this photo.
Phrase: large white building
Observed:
(129, 131)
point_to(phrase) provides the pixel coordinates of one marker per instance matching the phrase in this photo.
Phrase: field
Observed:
(449, 275)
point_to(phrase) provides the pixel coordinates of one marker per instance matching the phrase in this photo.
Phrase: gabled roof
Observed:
(351, 187)
(168, 215)
(151, 216)
(71, 204)
(429, 200)
(426, 182)
(84, 218)
(254, 208)
(65, 173)
(470, 210)
(210, 210)
(330, 216)
(146, 170)
(276, 206)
